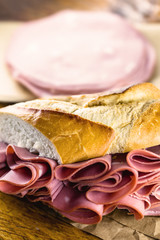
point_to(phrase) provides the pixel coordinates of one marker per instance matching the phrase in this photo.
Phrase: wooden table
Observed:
(23, 220)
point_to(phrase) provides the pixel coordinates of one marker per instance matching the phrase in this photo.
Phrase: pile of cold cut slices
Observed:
(85, 191)
(74, 52)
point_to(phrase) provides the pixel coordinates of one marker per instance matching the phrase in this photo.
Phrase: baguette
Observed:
(47, 128)
(72, 129)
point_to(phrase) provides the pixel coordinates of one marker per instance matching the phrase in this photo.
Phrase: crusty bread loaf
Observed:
(72, 129)
(49, 128)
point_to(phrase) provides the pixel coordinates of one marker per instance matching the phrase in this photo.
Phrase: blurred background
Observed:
(33, 9)
(147, 10)
(144, 14)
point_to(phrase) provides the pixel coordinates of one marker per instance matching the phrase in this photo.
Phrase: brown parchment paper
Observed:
(120, 226)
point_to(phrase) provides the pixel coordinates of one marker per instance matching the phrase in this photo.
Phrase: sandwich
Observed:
(85, 155)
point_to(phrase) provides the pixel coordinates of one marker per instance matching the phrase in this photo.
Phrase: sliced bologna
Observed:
(87, 190)
(74, 52)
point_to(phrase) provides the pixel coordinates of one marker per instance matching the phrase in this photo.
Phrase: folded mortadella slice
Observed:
(154, 199)
(47, 193)
(3, 147)
(87, 190)
(3, 164)
(108, 190)
(144, 160)
(85, 216)
(147, 163)
(73, 204)
(89, 170)
(134, 204)
(154, 195)
(152, 211)
(149, 187)
(25, 171)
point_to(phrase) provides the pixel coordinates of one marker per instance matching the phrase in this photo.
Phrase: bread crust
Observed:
(88, 126)
(145, 132)
(75, 138)
(135, 93)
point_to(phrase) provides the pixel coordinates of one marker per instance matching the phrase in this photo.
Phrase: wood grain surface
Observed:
(33, 9)
(23, 220)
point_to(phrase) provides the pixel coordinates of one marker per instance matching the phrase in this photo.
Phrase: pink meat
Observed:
(74, 205)
(132, 203)
(106, 184)
(3, 164)
(74, 52)
(147, 164)
(87, 190)
(24, 171)
(109, 189)
(148, 187)
(153, 212)
(26, 174)
(144, 160)
(47, 193)
(90, 170)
